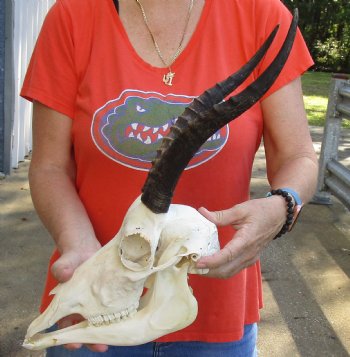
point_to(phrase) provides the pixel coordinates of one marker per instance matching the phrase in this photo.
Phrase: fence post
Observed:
(328, 163)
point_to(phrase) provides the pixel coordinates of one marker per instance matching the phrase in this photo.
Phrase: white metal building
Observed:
(20, 24)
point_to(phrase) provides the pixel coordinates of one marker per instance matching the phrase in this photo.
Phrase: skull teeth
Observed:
(115, 317)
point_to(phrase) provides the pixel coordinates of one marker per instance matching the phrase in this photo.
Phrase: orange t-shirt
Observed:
(85, 67)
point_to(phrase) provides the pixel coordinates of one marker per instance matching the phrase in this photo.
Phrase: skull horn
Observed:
(204, 117)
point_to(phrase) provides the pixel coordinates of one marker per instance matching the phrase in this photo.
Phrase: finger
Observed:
(221, 218)
(66, 322)
(230, 269)
(69, 320)
(97, 348)
(227, 254)
(74, 319)
(73, 346)
(64, 267)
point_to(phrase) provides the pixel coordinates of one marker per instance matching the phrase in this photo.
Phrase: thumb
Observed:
(220, 218)
(64, 267)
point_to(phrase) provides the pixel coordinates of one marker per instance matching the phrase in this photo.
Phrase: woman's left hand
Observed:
(256, 223)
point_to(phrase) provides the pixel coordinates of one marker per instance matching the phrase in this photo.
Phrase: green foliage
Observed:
(325, 25)
(316, 87)
(316, 84)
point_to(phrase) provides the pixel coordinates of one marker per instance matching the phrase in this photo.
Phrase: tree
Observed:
(326, 27)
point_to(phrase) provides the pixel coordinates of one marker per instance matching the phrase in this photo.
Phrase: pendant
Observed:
(168, 78)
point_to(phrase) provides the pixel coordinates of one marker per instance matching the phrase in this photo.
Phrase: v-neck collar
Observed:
(188, 48)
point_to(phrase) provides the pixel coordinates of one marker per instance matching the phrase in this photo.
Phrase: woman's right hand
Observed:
(65, 266)
(52, 178)
(62, 270)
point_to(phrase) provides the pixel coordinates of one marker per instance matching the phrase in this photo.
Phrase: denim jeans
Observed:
(246, 347)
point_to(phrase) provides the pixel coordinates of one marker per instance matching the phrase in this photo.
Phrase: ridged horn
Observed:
(204, 117)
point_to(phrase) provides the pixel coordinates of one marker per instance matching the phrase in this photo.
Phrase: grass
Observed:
(316, 90)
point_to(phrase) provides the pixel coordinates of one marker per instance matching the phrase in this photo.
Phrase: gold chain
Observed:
(167, 78)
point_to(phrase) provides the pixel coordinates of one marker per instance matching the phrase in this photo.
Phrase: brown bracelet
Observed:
(290, 210)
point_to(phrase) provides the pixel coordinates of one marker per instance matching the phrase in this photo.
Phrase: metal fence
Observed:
(21, 24)
(334, 178)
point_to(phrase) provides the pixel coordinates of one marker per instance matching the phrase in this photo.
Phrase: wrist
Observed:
(294, 194)
(77, 242)
(293, 205)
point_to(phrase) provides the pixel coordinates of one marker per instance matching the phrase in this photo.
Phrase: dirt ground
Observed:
(305, 274)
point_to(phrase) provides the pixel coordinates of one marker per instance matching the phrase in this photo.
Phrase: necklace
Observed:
(168, 77)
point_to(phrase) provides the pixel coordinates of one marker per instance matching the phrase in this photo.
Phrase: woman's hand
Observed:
(52, 177)
(257, 222)
(69, 260)
(63, 270)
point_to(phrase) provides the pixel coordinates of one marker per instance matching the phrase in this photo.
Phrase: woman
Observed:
(106, 79)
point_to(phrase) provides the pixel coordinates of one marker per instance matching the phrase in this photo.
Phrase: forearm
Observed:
(59, 207)
(298, 173)
(290, 157)
(52, 177)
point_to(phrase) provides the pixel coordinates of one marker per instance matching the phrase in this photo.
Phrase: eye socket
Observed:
(140, 109)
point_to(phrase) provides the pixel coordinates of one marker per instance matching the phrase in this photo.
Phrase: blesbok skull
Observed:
(155, 251)
(158, 243)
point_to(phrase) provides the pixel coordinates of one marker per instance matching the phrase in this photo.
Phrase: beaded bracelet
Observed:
(290, 210)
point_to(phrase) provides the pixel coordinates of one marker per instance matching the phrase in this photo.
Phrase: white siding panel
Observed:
(28, 18)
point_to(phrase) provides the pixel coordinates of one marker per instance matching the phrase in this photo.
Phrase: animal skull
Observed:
(155, 251)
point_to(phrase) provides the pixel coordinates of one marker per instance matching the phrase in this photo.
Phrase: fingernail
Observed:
(201, 265)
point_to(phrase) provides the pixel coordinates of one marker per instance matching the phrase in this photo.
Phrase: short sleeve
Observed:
(51, 77)
(299, 60)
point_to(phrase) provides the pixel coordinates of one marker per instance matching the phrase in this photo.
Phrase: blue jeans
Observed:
(246, 347)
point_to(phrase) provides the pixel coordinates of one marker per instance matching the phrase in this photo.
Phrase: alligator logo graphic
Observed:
(129, 129)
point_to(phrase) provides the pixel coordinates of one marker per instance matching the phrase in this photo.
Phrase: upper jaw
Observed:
(147, 324)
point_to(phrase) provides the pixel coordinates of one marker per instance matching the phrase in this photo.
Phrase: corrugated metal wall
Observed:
(6, 85)
(28, 16)
(20, 22)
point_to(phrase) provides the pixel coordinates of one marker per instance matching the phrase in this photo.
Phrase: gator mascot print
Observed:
(129, 129)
